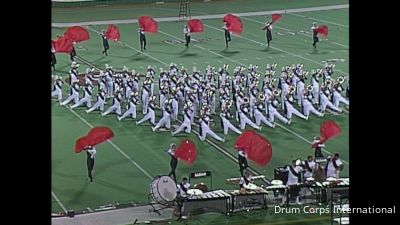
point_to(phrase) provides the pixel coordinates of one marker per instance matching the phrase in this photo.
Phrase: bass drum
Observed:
(163, 189)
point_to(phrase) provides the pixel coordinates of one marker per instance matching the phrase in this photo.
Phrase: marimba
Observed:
(213, 201)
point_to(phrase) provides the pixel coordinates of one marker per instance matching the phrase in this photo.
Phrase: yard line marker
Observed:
(296, 55)
(59, 202)
(114, 145)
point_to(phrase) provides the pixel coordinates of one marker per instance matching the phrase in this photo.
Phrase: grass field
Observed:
(124, 168)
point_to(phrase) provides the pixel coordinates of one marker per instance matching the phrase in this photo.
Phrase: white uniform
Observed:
(74, 95)
(87, 99)
(186, 124)
(225, 116)
(307, 107)
(101, 97)
(145, 98)
(291, 110)
(326, 103)
(293, 179)
(243, 119)
(205, 129)
(259, 116)
(299, 92)
(131, 109)
(315, 85)
(116, 105)
(165, 119)
(337, 98)
(181, 189)
(175, 107)
(331, 171)
(109, 84)
(308, 173)
(149, 116)
(272, 112)
(57, 91)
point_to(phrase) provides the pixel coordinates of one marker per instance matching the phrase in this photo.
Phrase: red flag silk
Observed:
(112, 32)
(276, 17)
(63, 44)
(195, 25)
(186, 151)
(148, 24)
(77, 33)
(234, 24)
(257, 148)
(328, 130)
(322, 30)
(95, 136)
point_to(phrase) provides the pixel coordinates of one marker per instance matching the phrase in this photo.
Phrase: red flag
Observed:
(322, 31)
(328, 130)
(195, 25)
(77, 33)
(95, 136)
(257, 148)
(112, 33)
(276, 17)
(233, 23)
(186, 151)
(148, 24)
(63, 44)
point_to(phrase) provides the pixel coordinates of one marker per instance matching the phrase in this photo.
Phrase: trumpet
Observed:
(276, 92)
(292, 89)
(261, 97)
(310, 88)
(245, 100)
(328, 82)
(340, 79)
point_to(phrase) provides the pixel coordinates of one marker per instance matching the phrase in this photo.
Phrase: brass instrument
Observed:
(292, 89)
(276, 92)
(310, 88)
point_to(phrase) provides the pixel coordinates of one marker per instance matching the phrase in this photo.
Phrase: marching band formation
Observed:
(256, 99)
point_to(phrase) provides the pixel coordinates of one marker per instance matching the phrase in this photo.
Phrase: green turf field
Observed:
(124, 168)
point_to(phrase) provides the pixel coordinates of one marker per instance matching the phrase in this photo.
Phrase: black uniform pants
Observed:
(90, 165)
(173, 164)
(142, 43)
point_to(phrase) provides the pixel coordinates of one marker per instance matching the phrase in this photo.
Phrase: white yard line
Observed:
(114, 145)
(325, 21)
(254, 41)
(59, 202)
(216, 16)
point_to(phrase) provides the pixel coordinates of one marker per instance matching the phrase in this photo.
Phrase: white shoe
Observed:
(289, 122)
(87, 111)
(102, 114)
(306, 117)
(153, 128)
(137, 123)
(223, 140)
(119, 118)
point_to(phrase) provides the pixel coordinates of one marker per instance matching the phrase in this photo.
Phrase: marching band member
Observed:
(101, 99)
(73, 95)
(227, 34)
(150, 112)
(335, 165)
(146, 93)
(242, 160)
(268, 31)
(258, 112)
(57, 87)
(244, 181)
(310, 166)
(300, 88)
(243, 119)
(87, 98)
(306, 103)
(73, 73)
(337, 97)
(142, 38)
(116, 104)
(293, 180)
(136, 79)
(315, 34)
(53, 58)
(324, 98)
(205, 126)
(315, 84)
(166, 116)
(105, 42)
(186, 32)
(174, 160)
(183, 187)
(272, 109)
(90, 152)
(186, 124)
(89, 76)
(317, 145)
(131, 107)
(226, 116)
(289, 109)
(109, 81)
